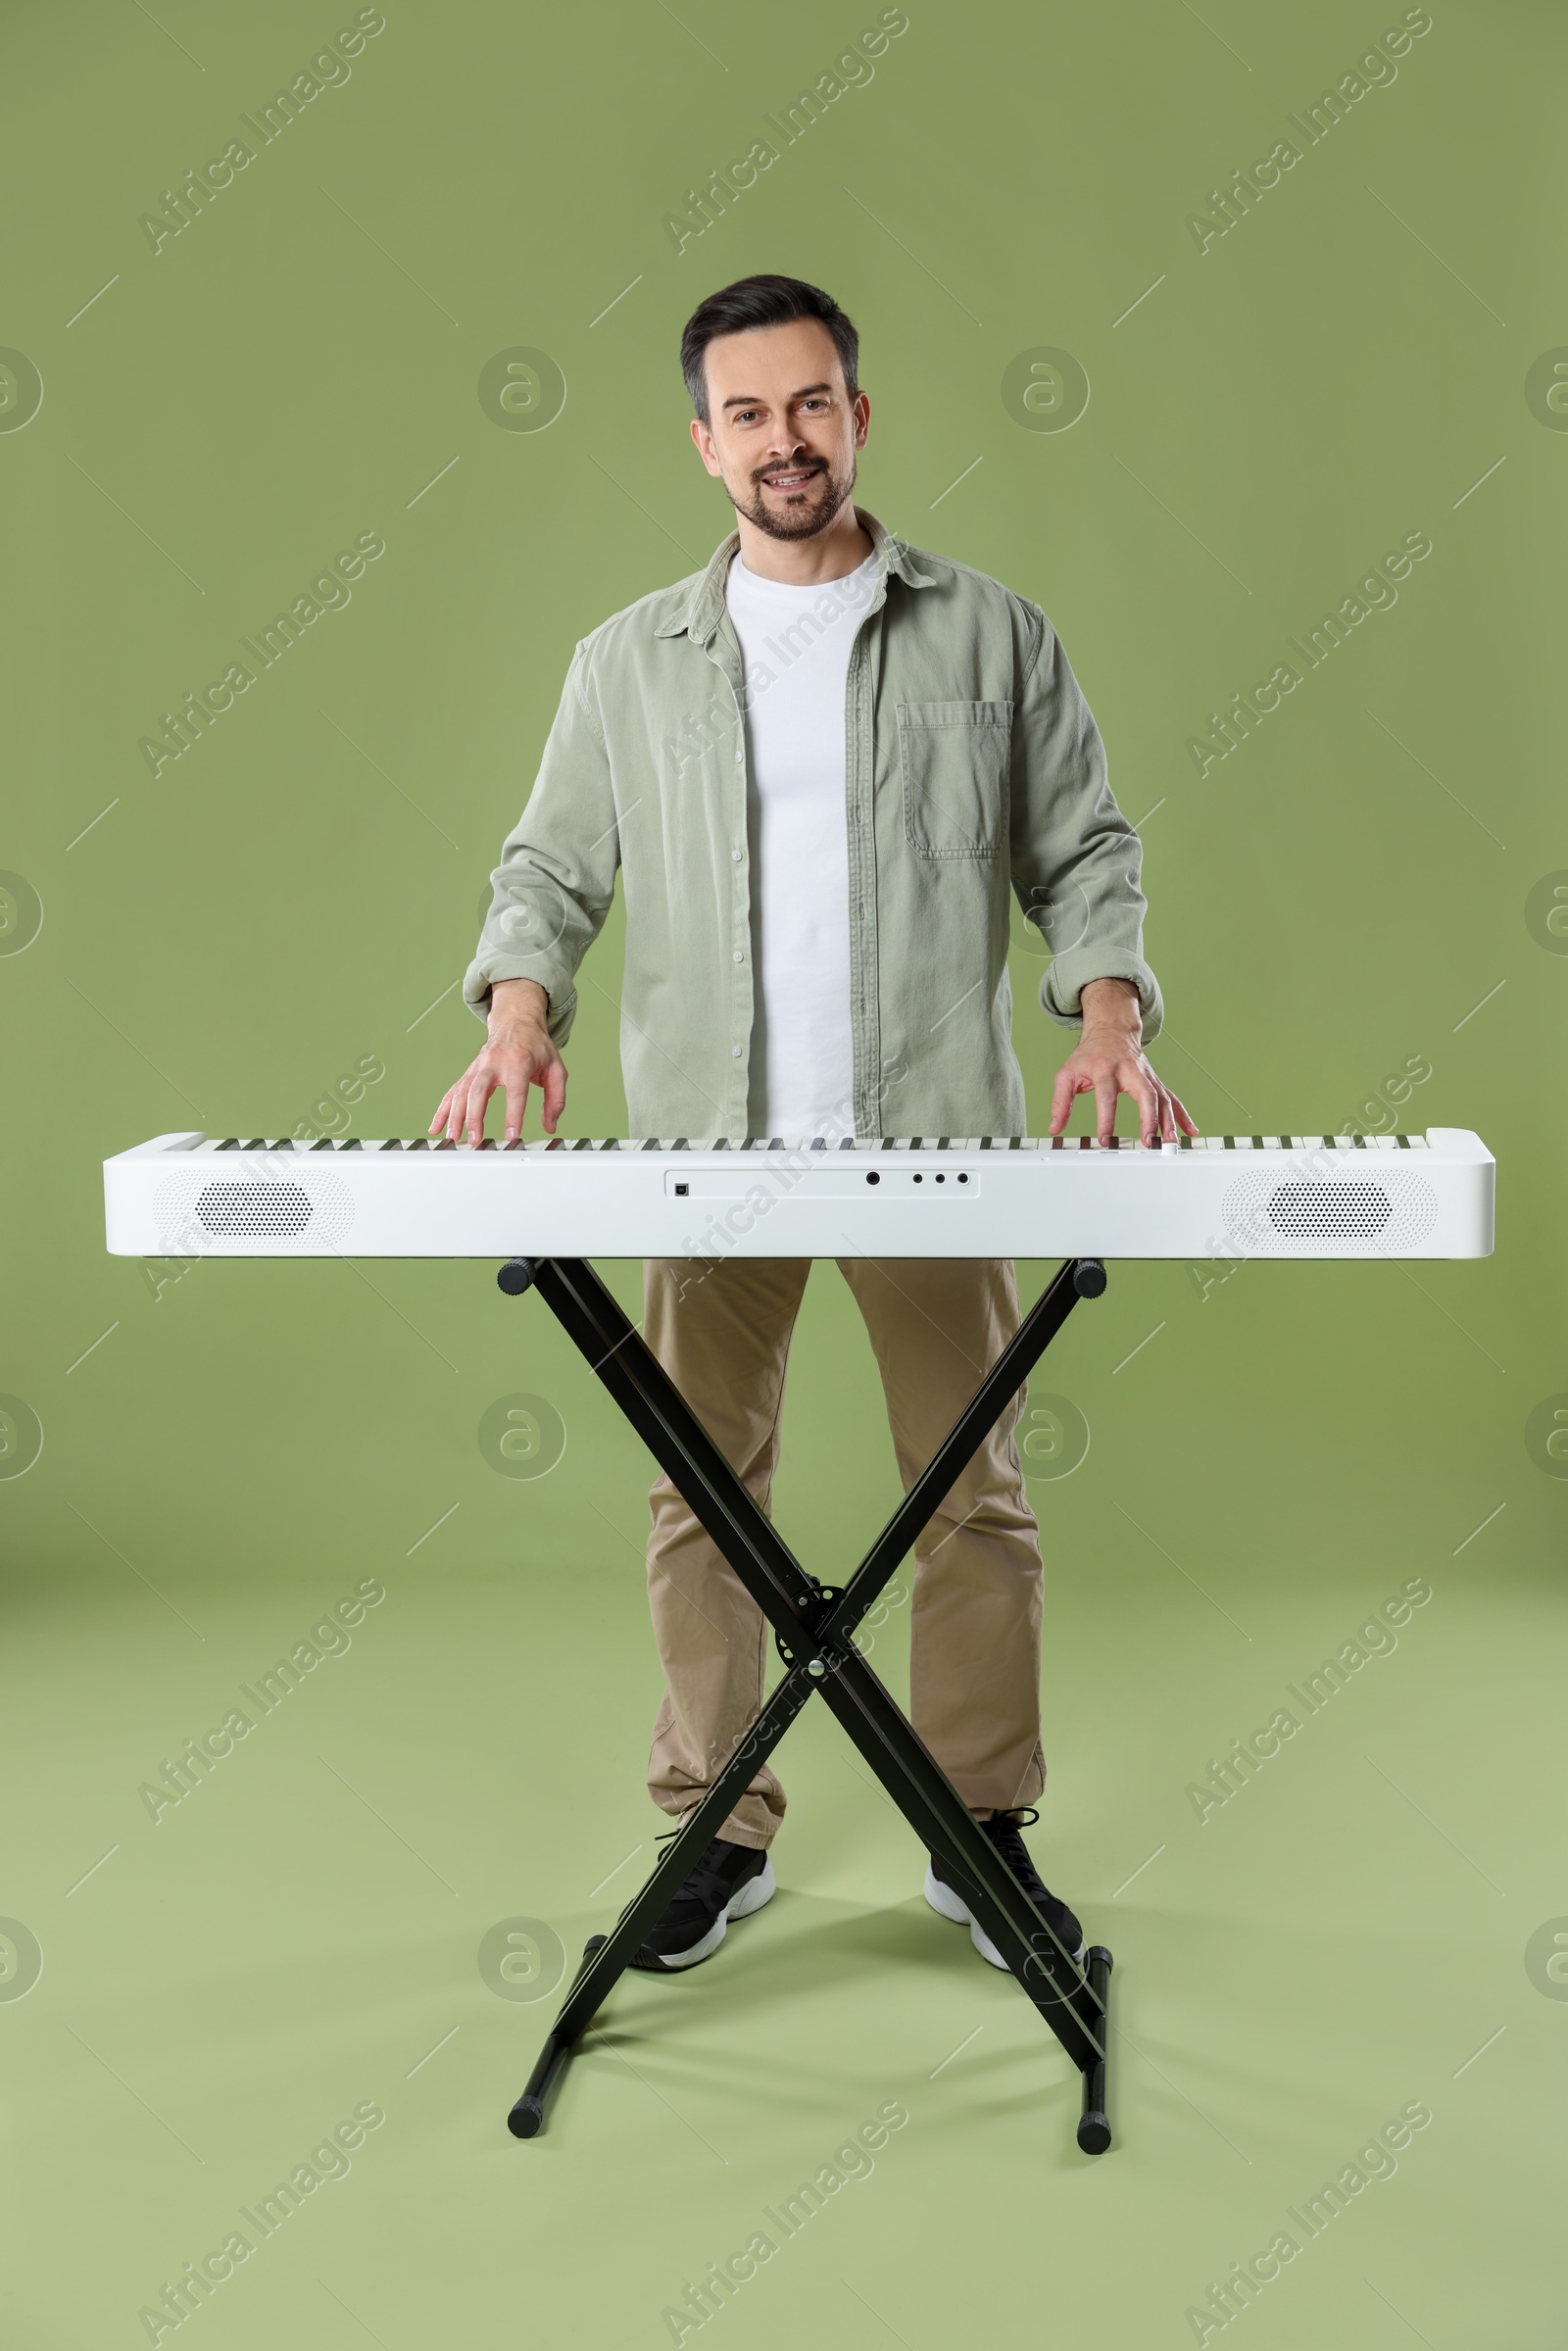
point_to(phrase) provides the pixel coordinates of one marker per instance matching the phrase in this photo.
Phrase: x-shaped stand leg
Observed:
(813, 1625)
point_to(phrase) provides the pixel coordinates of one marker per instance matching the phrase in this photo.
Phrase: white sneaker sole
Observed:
(951, 1905)
(752, 1896)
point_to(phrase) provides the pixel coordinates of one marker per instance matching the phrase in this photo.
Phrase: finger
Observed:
(515, 1085)
(455, 1101)
(554, 1092)
(1167, 1118)
(1140, 1087)
(1061, 1095)
(1186, 1123)
(480, 1089)
(445, 1107)
(1105, 1103)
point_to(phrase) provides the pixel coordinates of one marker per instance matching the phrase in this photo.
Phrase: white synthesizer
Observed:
(987, 1195)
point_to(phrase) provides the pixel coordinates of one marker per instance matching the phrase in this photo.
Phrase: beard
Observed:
(811, 507)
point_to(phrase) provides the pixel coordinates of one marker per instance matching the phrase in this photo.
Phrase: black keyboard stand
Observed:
(812, 1624)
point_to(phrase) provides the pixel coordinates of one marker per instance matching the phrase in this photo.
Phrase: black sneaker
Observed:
(729, 1882)
(1002, 1830)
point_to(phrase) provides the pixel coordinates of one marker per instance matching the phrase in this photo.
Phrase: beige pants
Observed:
(722, 1332)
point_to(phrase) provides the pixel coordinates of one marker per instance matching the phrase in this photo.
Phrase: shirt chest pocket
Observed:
(955, 757)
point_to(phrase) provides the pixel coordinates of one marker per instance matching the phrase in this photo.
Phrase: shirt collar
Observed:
(701, 603)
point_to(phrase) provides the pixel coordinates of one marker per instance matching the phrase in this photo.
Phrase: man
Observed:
(821, 766)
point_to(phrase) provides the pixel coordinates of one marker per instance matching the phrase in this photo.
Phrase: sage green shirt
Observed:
(974, 773)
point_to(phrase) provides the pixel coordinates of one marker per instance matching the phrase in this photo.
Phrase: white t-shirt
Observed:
(796, 645)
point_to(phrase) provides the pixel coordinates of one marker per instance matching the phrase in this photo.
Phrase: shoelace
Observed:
(1005, 1831)
(707, 1874)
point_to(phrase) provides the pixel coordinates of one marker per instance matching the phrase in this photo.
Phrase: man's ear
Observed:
(705, 445)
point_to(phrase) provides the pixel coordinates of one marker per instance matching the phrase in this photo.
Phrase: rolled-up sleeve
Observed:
(1076, 860)
(557, 876)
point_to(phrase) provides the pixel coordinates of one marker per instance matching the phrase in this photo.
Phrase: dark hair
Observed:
(762, 301)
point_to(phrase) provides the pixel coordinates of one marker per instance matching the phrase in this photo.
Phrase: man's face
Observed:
(783, 431)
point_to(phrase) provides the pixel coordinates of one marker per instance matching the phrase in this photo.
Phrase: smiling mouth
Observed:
(790, 481)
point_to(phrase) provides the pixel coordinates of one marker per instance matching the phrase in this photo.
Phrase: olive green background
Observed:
(228, 1448)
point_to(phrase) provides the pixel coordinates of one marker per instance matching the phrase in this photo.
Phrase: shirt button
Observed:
(735, 856)
(734, 1052)
(738, 957)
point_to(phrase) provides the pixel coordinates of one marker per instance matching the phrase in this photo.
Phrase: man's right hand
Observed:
(519, 1053)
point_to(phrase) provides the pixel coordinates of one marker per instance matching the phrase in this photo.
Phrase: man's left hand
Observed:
(1108, 1060)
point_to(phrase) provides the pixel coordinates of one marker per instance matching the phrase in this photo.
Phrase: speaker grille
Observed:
(1302, 1209)
(252, 1210)
(233, 1208)
(1304, 1215)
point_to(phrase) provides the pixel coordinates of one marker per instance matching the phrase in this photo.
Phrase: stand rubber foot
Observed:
(515, 1277)
(1094, 2126)
(1089, 1277)
(527, 2118)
